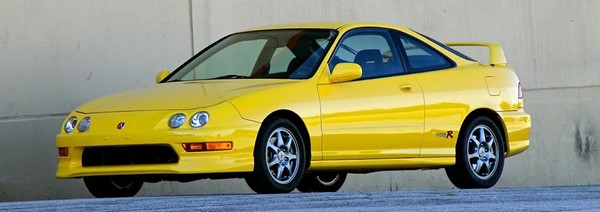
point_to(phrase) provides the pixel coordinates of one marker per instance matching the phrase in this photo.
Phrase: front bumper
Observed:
(103, 133)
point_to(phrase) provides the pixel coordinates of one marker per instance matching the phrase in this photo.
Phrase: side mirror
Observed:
(162, 75)
(344, 72)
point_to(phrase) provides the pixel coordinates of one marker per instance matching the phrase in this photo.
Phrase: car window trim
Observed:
(166, 79)
(450, 49)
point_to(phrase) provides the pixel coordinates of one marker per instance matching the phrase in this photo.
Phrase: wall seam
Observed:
(191, 17)
(561, 88)
(32, 117)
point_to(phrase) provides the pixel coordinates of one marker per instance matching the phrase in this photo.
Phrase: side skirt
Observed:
(372, 165)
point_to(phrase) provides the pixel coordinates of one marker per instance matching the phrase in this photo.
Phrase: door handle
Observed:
(406, 88)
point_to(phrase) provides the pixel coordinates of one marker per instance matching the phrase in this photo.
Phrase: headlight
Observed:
(70, 124)
(84, 124)
(199, 119)
(177, 120)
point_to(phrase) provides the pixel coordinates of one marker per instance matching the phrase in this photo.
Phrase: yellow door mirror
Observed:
(344, 72)
(162, 75)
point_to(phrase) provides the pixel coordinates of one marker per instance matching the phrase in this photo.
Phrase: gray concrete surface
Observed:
(584, 198)
(57, 55)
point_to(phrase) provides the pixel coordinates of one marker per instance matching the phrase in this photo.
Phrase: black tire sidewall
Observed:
(261, 180)
(102, 187)
(461, 174)
(310, 183)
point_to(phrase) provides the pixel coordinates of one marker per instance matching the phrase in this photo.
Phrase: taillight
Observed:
(520, 91)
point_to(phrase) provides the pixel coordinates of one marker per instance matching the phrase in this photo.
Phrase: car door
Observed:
(444, 87)
(377, 116)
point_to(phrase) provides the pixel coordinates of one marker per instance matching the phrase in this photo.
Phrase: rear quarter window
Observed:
(422, 57)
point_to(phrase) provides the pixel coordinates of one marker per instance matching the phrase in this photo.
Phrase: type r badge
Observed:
(121, 125)
(447, 134)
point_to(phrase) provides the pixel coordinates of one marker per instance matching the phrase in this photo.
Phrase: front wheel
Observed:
(479, 155)
(113, 186)
(279, 158)
(322, 182)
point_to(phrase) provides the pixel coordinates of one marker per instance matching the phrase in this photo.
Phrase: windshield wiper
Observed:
(231, 76)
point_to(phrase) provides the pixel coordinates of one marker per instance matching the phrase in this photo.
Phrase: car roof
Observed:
(324, 25)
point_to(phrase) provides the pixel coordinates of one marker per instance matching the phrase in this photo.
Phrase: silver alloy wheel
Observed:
(282, 155)
(327, 180)
(482, 149)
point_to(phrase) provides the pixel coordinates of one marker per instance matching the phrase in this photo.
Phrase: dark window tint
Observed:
(372, 50)
(422, 57)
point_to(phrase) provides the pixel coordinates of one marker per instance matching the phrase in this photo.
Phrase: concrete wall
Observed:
(57, 55)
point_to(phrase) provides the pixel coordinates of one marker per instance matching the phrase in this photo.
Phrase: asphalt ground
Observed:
(577, 198)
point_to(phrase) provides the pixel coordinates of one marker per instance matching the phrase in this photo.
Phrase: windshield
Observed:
(282, 54)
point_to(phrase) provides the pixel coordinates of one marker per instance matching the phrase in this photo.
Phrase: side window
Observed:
(422, 57)
(372, 50)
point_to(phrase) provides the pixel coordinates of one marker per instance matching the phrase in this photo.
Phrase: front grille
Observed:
(128, 155)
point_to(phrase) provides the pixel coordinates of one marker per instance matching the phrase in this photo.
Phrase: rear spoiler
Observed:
(496, 52)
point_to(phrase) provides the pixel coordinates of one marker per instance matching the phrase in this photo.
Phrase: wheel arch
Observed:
(294, 118)
(495, 117)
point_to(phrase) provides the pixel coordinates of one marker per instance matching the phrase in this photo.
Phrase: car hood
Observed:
(178, 95)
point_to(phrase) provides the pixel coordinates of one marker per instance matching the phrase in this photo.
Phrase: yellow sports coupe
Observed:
(298, 107)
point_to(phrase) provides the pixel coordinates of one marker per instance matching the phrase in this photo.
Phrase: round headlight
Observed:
(177, 120)
(70, 124)
(199, 119)
(84, 124)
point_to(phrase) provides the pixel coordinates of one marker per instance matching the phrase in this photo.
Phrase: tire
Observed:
(102, 187)
(479, 161)
(322, 182)
(279, 158)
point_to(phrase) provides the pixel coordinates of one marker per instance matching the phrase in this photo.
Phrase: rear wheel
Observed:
(113, 186)
(479, 155)
(279, 158)
(322, 182)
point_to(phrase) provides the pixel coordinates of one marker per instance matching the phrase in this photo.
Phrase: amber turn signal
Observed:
(207, 146)
(63, 151)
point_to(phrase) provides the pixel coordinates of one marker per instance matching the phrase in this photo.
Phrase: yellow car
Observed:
(300, 106)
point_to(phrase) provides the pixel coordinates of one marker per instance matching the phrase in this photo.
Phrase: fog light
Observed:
(63, 151)
(208, 146)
